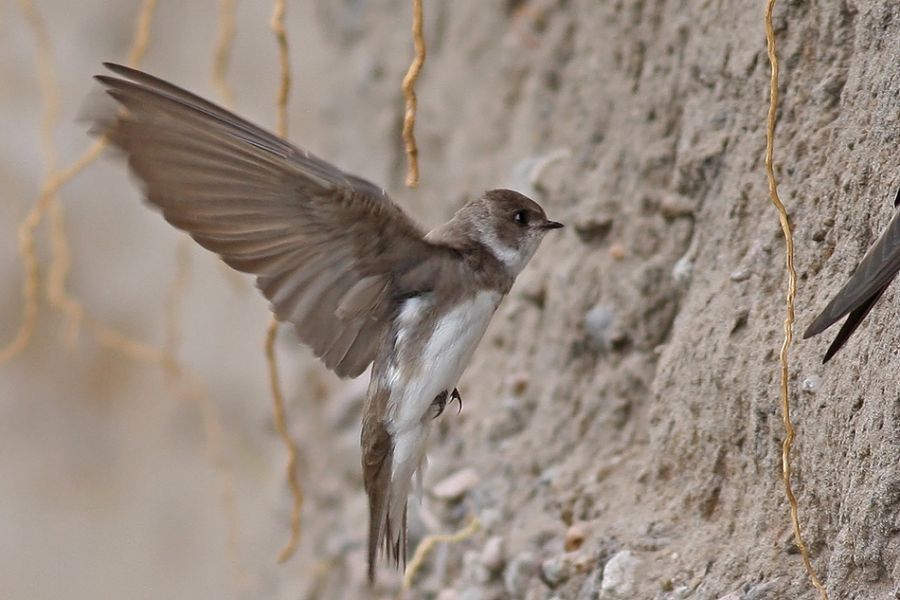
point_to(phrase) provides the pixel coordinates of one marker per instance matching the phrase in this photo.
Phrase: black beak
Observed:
(552, 225)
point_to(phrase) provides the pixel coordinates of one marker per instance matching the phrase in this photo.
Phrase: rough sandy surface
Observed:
(621, 432)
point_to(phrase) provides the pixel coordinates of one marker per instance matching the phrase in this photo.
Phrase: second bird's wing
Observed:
(868, 282)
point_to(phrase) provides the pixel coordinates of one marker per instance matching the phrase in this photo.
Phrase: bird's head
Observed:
(510, 225)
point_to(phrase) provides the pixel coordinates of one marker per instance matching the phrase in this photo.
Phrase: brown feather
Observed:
(377, 454)
(874, 273)
(310, 232)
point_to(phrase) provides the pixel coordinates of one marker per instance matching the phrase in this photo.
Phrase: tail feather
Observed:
(385, 530)
(376, 531)
(378, 452)
(390, 462)
(395, 541)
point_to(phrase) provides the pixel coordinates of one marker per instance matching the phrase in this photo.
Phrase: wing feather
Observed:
(871, 277)
(330, 250)
(856, 317)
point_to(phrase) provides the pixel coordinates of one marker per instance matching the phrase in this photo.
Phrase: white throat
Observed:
(514, 259)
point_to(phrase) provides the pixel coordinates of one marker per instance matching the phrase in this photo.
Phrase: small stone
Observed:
(455, 486)
(491, 518)
(617, 251)
(593, 229)
(519, 573)
(680, 592)
(620, 574)
(492, 557)
(519, 382)
(673, 206)
(599, 324)
(584, 562)
(683, 270)
(811, 384)
(731, 596)
(534, 290)
(448, 594)
(820, 233)
(471, 593)
(555, 571)
(761, 591)
(548, 475)
(741, 316)
(472, 569)
(742, 274)
(575, 536)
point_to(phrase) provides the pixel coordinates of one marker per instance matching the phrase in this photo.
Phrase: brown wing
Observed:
(856, 317)
(868, 282)
(328, 248)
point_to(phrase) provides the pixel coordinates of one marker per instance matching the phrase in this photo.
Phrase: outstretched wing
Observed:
(865, 286)
(327, 248)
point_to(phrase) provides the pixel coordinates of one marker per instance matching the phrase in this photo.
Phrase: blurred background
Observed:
(121, 476)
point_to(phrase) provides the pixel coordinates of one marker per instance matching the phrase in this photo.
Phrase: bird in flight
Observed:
(873, 275)
(359, 280)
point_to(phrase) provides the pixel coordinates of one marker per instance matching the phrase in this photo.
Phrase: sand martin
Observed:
(359, 280)
(873, 275)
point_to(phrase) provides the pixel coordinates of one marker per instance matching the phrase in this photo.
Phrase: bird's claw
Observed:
(455, 396)
(440, 402)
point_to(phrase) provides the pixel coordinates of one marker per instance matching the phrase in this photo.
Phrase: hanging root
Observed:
(48, 201)
(284, 432)
(284, 86)
(791, 294)
(427, 545)
(222, 51)
(49, 204)
(409, 93)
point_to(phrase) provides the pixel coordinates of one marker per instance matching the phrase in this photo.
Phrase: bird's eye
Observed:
(521, 218)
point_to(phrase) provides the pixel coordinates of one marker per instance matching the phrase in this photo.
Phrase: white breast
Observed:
(443, 360)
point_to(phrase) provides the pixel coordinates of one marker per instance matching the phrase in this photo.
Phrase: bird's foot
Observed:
(455, 396)
(439, 403)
